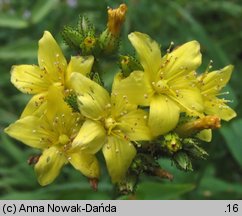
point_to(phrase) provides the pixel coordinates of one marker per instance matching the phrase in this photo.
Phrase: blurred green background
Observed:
(217, 25)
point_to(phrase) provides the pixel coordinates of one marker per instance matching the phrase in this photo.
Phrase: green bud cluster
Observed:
(82, 38)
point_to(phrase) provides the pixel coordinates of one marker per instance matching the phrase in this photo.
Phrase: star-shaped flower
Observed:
(112, 123)
(52, 69)
(167, 83)
(53, 133)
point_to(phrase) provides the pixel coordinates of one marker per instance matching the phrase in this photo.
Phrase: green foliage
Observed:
(157, 190)
(215, 24)
(233, 136)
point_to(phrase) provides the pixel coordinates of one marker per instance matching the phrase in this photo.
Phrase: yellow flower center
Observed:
(89, 41)
(161, 86)
(110, 123)
(63, 139)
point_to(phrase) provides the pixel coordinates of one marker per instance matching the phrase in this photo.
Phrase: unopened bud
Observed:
(85, 27)
(192, 127)
(89, 45)
(72, 37)
(109, 39)
(82, 38)
(171, 142)
(183, 161)
(193, 149)
(116, 18)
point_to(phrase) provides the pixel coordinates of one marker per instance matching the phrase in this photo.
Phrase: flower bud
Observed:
(192, 127)
(109, 39)
(183, 161)
(193, 149)
(116, 18)
(85, 27)
(72, 37)
(82, 38)
(171, 142)
(88, 45)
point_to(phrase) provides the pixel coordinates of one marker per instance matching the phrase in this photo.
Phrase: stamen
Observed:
(209, 66)
(169, 48)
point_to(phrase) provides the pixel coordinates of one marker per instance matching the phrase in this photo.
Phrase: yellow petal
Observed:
(56, 106)
(205, 135)
(182, 60)
(119, 103)
(86, 163)
(190, 100)
(216, 106)
(118, 154)
(164, 115)
(91, 137)
(79, 64)
(36, 106)
(149, 53)
(92, 98)
(214, 81)
(51, 58)
(134, 125)
(29, 79)
(28, 131)
(136, 88)
(49, 165)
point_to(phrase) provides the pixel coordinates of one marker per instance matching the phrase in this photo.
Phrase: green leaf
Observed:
(160, 190)
(223, 189)
(11, 149)
(33, 195)
(12, 21)
(233, 136)
(42, 9)
(208, 183)
(21, 49)
(7, 116)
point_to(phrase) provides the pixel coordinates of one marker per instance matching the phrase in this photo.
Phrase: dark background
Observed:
(217, 25)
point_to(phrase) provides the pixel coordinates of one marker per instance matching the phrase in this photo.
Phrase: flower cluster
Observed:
(158, 105)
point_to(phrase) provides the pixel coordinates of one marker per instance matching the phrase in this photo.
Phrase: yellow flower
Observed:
(167, 84)
(111, 124)
(53, 133)
(211, 84)
(53, 68)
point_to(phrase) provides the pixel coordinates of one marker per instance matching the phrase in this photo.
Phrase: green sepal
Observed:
(85, 27)
(129, 64)
(191, 146)
(72, 37)
(109, 43)
(183, 161)
(95, 76)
